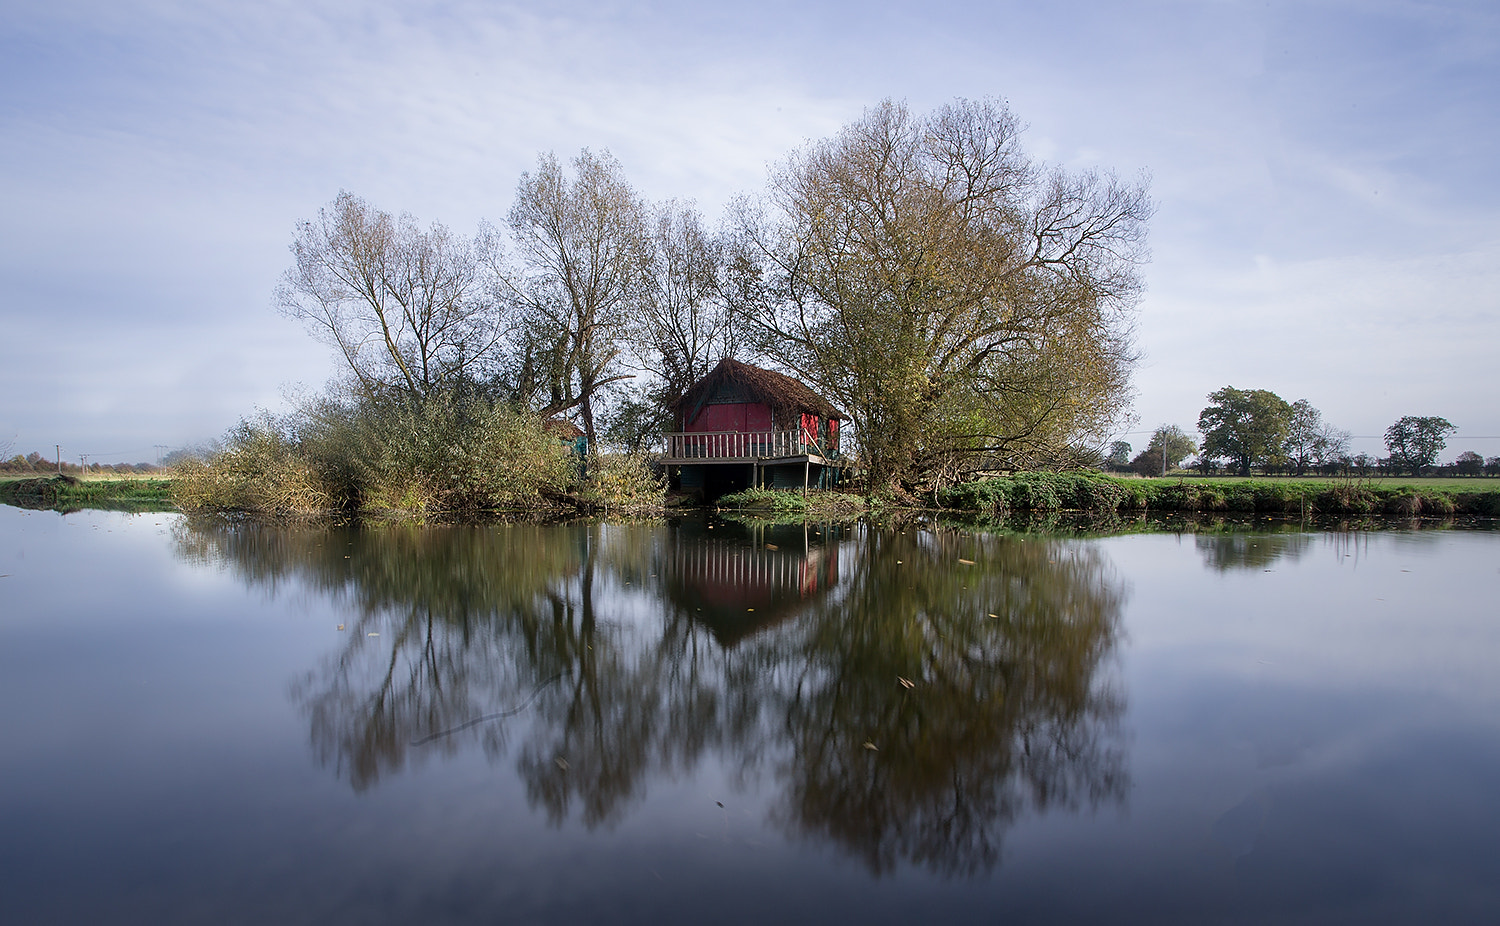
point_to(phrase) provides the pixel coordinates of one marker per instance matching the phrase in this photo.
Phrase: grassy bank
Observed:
(1098, 493)
(1448, 483)
(777, 502)
(69, 493)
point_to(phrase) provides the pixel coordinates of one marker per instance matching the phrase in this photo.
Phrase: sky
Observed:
(1327, 217)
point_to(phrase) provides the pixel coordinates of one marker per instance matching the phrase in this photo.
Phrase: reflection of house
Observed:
(739, 581)
(743, 426)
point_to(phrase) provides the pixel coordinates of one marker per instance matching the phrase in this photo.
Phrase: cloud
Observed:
(1324, 171)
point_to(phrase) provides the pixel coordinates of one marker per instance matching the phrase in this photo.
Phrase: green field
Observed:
(1445, 483)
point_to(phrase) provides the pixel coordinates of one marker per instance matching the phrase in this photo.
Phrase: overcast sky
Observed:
(1324, 172)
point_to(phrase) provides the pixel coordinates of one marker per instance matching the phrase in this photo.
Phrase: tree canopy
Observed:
(954, 296)
(1413, 442)
(966, 304)
(1247, 426)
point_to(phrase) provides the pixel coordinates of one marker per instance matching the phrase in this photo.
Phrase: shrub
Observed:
(624, 481)
(447, 454)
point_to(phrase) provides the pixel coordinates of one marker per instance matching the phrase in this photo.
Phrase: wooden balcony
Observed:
(741, 447)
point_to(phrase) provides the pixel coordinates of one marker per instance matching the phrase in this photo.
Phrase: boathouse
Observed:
(743, 426)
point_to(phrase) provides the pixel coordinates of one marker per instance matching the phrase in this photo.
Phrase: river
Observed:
(701, 719)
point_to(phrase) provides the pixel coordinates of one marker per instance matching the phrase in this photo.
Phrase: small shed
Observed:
(742, 425)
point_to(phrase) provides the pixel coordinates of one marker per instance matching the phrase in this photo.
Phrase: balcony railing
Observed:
(740, 445)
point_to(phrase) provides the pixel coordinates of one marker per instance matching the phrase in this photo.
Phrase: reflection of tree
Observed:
(586, 652)
(1224, 552)
(1003, 711)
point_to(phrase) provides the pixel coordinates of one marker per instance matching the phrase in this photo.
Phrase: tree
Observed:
(1310, 439)
(1148, 463)
(1172, 445)
(1330, 445)
(408, 310)
(583, 246)
(1119, 454)
(1414, 442)
(684, 326)
(1302, 433)
(1247, 426)
(1469, 463)
(953, 296)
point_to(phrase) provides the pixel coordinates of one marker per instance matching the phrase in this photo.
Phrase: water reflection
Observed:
(1238, 550)
(906, 695)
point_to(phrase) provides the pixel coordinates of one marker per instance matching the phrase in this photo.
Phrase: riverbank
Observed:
(69, 493)
(1091, 492)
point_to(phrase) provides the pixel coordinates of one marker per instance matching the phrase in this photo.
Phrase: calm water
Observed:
(703, 721)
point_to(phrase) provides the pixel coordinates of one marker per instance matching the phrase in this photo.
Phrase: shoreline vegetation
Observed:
(68, 493)
(623, 485)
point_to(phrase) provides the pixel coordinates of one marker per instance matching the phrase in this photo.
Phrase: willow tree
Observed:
(957, 298)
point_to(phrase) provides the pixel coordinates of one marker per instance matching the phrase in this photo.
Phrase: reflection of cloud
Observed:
(971, 667)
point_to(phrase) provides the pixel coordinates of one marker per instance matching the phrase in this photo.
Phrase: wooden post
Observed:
(806, 471)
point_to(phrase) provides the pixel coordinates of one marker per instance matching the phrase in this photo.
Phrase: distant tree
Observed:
(1172, 444)
(1492, 466)
(1330, 444)
(1147, 463)
(1310, 439)
(1119, 454)
(1414, 441)
(1469, 463)
(1247, 426)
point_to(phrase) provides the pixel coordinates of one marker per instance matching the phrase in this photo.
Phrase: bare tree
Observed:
(407, 309)
(684, 325)
(582, 243)
(954, 296)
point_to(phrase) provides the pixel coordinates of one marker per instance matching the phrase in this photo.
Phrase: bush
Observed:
(625, 481)
(451, 453)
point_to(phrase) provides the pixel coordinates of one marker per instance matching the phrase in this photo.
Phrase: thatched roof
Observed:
(782, 394)
(563, 428)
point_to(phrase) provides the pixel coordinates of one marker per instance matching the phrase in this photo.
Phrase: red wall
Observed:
(741, 417)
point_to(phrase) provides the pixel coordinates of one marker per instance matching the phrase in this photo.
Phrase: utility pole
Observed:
(59, 458)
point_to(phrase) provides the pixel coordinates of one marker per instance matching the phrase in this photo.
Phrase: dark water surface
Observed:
(706, 722)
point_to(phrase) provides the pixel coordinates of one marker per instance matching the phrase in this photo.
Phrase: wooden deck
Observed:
(742, 447)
